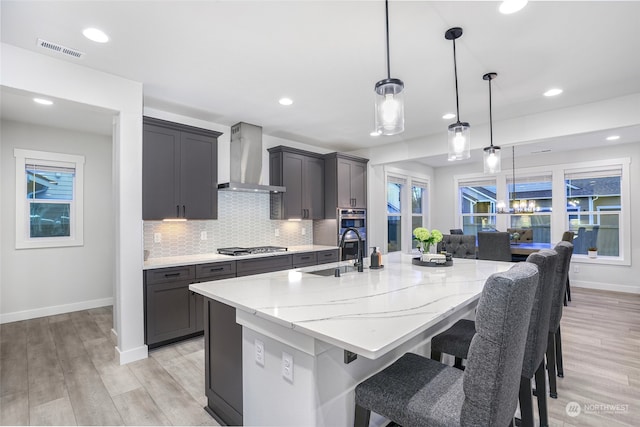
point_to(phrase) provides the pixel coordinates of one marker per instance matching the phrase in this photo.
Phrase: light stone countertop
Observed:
(367, 313)
(176, 261)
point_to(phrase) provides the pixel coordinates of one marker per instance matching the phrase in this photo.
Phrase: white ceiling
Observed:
(230, 61)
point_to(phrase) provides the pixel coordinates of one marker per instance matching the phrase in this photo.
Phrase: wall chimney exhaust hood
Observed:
(246, 161)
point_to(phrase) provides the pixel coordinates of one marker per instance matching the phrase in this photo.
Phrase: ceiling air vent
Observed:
(60, 49)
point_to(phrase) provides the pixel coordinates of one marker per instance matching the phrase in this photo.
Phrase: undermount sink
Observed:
(332, 271)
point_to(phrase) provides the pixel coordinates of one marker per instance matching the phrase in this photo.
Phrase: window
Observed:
(395, 188)
(418, 207)
(534, 227)
(48, 199)
(594, 210)
(477, 205)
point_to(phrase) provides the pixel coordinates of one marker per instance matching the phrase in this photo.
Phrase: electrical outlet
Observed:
(303, 231)
(157, 237)
(277, 232)
(203, 235)
(259, 346)
(287, 366)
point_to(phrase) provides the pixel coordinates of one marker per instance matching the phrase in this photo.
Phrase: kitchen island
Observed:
(299, 328)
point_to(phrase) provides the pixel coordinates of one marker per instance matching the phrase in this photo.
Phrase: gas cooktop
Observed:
(249, 251)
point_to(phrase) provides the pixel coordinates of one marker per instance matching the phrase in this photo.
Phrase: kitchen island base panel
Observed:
(322, 390)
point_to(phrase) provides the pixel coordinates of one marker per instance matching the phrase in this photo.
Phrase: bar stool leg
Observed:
(551, 365)
(559, 353)
(541, 384)
(526, 404)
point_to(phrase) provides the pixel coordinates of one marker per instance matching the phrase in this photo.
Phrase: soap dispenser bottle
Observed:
(376, 258)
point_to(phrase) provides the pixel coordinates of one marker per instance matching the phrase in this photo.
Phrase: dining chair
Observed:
(457, 339)
(554, 345)
(417, 391)
(568, 236)
(494, 245)
(459, 246)
(456, 231)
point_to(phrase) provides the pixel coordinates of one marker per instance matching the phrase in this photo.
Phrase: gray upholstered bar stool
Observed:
(494, 245)
(554, 346)
(417, 391)
(456, 340)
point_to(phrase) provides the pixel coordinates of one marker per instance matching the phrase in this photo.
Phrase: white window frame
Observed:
(406, 214)
(559, 221)
(76, 220)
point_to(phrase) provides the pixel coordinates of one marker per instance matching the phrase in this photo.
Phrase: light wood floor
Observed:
(60, 370)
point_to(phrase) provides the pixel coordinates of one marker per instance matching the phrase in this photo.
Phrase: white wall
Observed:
(41, 282)
(44, 75)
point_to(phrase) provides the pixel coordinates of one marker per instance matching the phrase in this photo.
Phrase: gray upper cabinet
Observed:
(302, 173)
(345, 183)
(179, 171)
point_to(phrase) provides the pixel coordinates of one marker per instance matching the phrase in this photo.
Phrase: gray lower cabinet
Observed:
(247, 267)
(330, 255)
(223, 363)
(304, 259)
(170, 312)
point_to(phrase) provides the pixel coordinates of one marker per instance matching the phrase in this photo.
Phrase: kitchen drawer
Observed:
(267, 264)
(331, 255)
(304, 259)
(216, 270)
(171, 274)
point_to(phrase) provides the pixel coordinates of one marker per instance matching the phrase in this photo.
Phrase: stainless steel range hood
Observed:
(246, 161)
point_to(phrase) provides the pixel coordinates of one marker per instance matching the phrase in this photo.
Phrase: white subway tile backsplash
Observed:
(243, 220)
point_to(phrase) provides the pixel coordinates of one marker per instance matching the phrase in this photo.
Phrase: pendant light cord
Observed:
(455, 73)
(386, 11)
(490, 115)
(513, 171)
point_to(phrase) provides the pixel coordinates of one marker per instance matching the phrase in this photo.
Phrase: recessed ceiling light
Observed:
(95, 35)
(511, 6)
(613, 137)
(42, 101)
(448, 116)
(285, 101)
(553, 92)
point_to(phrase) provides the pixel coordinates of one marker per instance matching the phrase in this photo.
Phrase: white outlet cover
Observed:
(259, 346)
(277, 232)
(157, 237)
(287, 366)
(203, 235)
(303, 231)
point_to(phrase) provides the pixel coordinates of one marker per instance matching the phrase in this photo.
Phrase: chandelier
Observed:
(518, 207)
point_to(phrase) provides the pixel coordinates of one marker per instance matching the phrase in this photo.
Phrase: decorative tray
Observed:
(417, 261)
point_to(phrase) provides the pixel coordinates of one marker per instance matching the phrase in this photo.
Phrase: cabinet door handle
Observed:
(171, 274)
(216, 269)
(305, 257)
(184, 211)
(328, 255)
(177, 211)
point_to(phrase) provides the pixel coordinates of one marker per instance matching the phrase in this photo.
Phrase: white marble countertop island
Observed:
(299, 331)
(367, 313)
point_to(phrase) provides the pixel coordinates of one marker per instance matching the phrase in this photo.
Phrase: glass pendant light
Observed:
(389, 98)
(459, 135)
(492, 152)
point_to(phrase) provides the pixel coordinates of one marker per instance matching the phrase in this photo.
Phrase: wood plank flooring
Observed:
(60, 370)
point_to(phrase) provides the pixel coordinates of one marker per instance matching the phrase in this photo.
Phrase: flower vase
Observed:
(426, 251)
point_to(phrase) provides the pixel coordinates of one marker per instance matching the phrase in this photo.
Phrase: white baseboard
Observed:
(57, 309)
(605, 286)
(132, 355)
